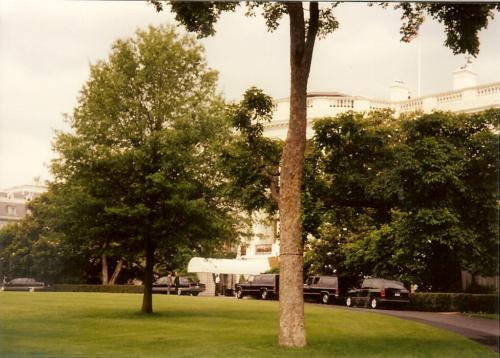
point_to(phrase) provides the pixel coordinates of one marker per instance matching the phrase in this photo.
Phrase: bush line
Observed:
(453, 302)
(436, 302)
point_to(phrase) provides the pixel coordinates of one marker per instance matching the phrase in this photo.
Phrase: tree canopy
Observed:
(462, 23)
(413, 198)
(147, 130)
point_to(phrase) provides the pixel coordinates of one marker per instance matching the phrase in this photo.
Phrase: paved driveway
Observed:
(482, 330)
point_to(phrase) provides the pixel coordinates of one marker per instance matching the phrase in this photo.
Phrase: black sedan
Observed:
(376, 292)
(187, 286)
(23, 284)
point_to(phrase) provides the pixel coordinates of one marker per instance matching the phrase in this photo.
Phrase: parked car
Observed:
(377, 292)
(263, 286)
(322, 288)
(187, 286)
(23, 284)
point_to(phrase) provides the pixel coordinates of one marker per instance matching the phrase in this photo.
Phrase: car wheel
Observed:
(263, 295)
(195, 294)
(374, 303)
(325, 298)
(348, 302)
(239, 294)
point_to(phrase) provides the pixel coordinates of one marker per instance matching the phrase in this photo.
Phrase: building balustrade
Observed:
(450, 98)
(489, 89)
(319, 105)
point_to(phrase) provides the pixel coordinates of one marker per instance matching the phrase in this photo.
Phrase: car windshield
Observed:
(394, 284)
(162, 281)
(329, 281)
(22, 280)
(264, 279)
(372, 283)
(184, 281)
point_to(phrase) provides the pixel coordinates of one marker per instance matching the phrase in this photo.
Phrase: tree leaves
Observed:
(416, 198)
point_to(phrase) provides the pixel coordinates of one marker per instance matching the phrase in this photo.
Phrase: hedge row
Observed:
(452, 302)
(97, 288)
(437, 302)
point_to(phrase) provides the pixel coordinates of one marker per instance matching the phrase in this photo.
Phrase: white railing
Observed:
(379, 105)
(412, 105)
(342, 103)
(467, 99)
(449, 98)
(487, 90)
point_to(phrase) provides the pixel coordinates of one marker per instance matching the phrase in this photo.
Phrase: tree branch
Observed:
(297, 32)
(118, 268)
(312, 31)
(274, 185)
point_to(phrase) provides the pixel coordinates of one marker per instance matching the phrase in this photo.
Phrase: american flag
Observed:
(412, 37)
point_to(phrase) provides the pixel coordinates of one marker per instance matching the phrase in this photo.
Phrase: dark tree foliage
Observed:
(251, 161)
(32, 248)
(462, 22)
(415, 199)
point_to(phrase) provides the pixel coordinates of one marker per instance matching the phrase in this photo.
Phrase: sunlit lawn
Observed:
(45, 324)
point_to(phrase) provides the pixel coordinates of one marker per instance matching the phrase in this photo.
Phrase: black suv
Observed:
(322, 288)
(263, 286)
(377, 292)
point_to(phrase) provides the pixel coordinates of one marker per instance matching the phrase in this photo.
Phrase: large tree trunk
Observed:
(291, 312)
(104, 269)
(116, 272)
(147, 298)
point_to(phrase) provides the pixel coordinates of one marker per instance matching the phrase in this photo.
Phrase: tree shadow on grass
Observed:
(180, 314)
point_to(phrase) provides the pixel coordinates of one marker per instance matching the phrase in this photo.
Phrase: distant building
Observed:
(13, 202)
(466, 96)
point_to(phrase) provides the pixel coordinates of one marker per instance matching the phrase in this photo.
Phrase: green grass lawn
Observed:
(49, 324)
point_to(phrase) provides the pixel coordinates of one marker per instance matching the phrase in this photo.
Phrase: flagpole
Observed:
(419, 66)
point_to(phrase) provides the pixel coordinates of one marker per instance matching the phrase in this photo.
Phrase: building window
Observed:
(263, 249)
(243, 250)
(11, 210)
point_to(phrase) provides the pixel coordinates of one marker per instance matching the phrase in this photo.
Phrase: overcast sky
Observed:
(46, 48)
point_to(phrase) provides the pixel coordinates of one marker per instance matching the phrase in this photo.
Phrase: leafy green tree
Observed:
(15, 250)
(147, 130)
(250, 160)
(347, 191)
(70, 210)
(307, 24)
(32, 248)
(462, 22)
(413, 198)
(446, 218)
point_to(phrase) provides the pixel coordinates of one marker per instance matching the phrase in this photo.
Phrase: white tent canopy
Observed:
(229, 266)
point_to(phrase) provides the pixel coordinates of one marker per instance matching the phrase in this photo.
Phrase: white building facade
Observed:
(13, 202)
(466, 96)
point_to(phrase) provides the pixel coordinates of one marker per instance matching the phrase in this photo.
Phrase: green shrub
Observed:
(98, 288)
(450, 302)
(275, 270)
